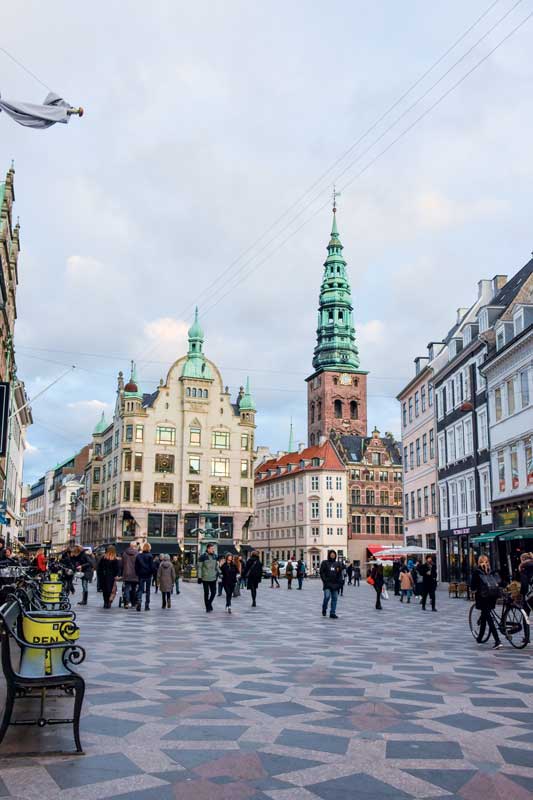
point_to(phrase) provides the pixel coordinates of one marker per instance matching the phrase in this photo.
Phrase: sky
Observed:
(201, 174)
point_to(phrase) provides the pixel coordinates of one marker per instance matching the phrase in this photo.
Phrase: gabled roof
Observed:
(355, 448)
(508, 292)
(149, 399)
(325, 452)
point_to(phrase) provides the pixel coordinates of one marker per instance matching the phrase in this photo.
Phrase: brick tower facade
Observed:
(336, 391)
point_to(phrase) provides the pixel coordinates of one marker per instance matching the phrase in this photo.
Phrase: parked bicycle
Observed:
(510, 619)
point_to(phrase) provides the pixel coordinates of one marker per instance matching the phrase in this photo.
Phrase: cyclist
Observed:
(486, 584)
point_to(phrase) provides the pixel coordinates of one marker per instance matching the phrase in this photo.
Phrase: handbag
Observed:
(384, 592)
(237, 590)
(370, 580)
(113, 592)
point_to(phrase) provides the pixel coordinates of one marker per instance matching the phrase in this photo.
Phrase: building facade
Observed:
(419, 437)
(21, 419)
(172, 463)
(36, 513)
(374, 493)
(300, 506)
(336, 390)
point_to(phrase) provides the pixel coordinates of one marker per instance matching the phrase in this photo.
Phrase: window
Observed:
(450, 441)
(220, 467)
(406, 505)
(376, 459)
(405, 460)
(128, 433)
(329, 531)
(245, 441)
(404, 414)
(412, 455)
(114, 494)
(136, 491)
(244, 495)
(384, 475)
(419, 503)
(524, 389)
(413, 511)
(164, 462)
(314, 483)
(115, 465)
(417, 404)
(510, 396)
(410, 409)
(98, 449)
(425, 448)
(126, 491)
(108, 446)
(432, 444)
(329, 482)
(498, 403)
(339, 533)
(315, 512)
(127, 461)
(356, 497)
(329, 510)
(117, 433)
(462, 496)
(426, 501)
(459, 440)
(501, 470)
(430, 394)
(96, 475)
(433, 499)
(423, 398)
(339, 510)
(385, 525)
(370, 497)
(353, 410)
(165, 435)
(528, 451)
(398, 526)
(319, 410)
(356, 524)
(138, 462)
(384, 498)
(94, 501)
(469, 443)
(194, 493)
(337, 409)
(163, 492)
(139, 433)
(370, 524)
(312, 412)
(483, 431)
(453, 492)
(443, 505)
(220, 440)
(194, 465)
(471, 495)
(195, 437)
(338, 483)
(220, 495)
(514, 467)
(244, 469)
(418, 452)
(485, 491)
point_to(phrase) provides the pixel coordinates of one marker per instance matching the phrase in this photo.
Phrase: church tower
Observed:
(336, 391)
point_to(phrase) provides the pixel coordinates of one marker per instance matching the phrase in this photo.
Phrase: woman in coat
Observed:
(406, 584)
(230, 574)
(289, 573)
(253, 572)
(108, 569)
(166, 577)
(274, 574)
(40, 561)
(377, 576)
(484, 583)
(525, 571)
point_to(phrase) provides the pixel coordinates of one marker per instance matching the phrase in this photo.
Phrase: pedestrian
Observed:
(129, 576)
(221, 561)
(230, 574)
(165, 578)
(356, 574)
(253, 572)
(377, 580)
(2, 549)
(108, 570)
(289, 573)
(406, 584)
(396, 569)
(485, 583)
(331, 575)
(40, 561)
(349, 573)
(144, 570)
(241, 567)
(300, 572)
(176, 562)
(343, 577)
(418, 579)
(69, 568)
(207, 575)
(274, 574)
(155, 568)
(429, 582)
(84, 562)
(525, 571)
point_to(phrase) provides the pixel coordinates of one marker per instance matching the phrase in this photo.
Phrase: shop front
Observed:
(457, 553)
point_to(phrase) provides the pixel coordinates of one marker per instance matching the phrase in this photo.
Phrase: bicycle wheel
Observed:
(515, 627)
(474, 618)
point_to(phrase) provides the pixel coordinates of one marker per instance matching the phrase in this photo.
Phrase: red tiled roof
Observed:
(325, 452)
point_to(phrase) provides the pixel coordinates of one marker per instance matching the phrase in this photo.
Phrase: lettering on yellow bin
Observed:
(49, 630)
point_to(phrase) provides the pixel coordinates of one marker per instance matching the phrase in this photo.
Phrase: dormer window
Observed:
(518, 320)
(315, 462)
(500, 338)
(483, 319)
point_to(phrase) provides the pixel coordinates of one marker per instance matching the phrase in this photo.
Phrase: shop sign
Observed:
(506, 519)
(527, 515)
(461, 531)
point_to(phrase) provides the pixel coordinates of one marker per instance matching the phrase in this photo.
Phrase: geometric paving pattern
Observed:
(278, 702)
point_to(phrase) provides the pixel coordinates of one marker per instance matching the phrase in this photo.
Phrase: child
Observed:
(406, 585)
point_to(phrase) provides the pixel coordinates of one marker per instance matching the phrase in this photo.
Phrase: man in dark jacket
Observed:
(85, 564)
(129, 576)
(332, 579)
(429, 582)
(207, 574)
(144, 569)
(253, 572)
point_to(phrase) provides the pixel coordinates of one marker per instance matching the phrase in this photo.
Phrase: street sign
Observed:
(4, 416)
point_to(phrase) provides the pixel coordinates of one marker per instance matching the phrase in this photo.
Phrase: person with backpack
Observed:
(253, 572)
(300, 572)
(289, 573)
(486, 584)
(332, 580)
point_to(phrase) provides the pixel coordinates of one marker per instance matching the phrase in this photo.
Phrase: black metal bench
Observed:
(40, 667)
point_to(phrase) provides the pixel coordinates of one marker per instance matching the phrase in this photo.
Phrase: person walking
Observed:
(108, 570)
(165, 577)
(343, 578)
(396, 567)
(129, 576)
(331, 575)
(176, 563)
(40, 562)
(525, 571)
(485, 583)
(69, 568)
(155, 570)
(356, 574)
(221, 561)
(207, 574)
(406, 584)
(429, 582)
(289, 573)
(377, 580)
(349, 573)
(416, 573)
(253, 572)
(230, 574)
(300, 572)
(274, 574)
(144, 570)
(83, 559)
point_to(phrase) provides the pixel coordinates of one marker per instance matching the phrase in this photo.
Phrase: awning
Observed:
(373, 549)
(517, 533)
(485, 538)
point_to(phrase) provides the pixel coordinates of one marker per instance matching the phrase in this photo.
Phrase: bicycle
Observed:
(510, 619)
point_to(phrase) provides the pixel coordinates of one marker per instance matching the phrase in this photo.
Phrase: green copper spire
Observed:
(196, 365)
(247, 402)
(101, 425)
(336, 349)
(291, 439)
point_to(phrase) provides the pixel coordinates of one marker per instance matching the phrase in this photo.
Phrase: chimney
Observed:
(434, 349)
(484, 289)
(460, 314)
(498, 282)
(419, 365)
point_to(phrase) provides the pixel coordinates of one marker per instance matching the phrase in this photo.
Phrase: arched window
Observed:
(312, 412)
(206, 394)
(319, 410)
(370, 497)
(312, 439)
(188, 392)
(353, 409)
(194, 392)
(337, 409)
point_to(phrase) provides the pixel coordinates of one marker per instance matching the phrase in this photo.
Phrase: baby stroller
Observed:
(122, 598)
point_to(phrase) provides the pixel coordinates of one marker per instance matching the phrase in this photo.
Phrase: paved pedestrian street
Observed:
(278, 702)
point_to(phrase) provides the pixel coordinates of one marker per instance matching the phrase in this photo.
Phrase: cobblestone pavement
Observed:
(278, 702)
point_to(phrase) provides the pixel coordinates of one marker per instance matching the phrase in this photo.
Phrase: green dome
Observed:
(195, 331)
(247, 402)
(196, 365)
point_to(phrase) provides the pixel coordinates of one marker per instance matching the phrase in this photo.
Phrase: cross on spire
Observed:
(334, 196)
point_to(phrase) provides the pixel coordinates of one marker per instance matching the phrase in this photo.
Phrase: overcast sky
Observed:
(205, 124)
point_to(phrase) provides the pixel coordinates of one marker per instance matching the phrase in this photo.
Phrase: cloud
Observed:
(89, 405)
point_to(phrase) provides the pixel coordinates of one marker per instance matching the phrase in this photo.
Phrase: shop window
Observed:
(163, 493)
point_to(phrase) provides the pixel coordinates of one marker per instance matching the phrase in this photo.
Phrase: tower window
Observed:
(337, 409)
(353, 409)
(312, 412)
(319, 410)
(312, 439)
(330, 316)
(340, 316)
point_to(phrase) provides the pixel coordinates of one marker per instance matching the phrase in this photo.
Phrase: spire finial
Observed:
(334, 196)
(291, 439)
